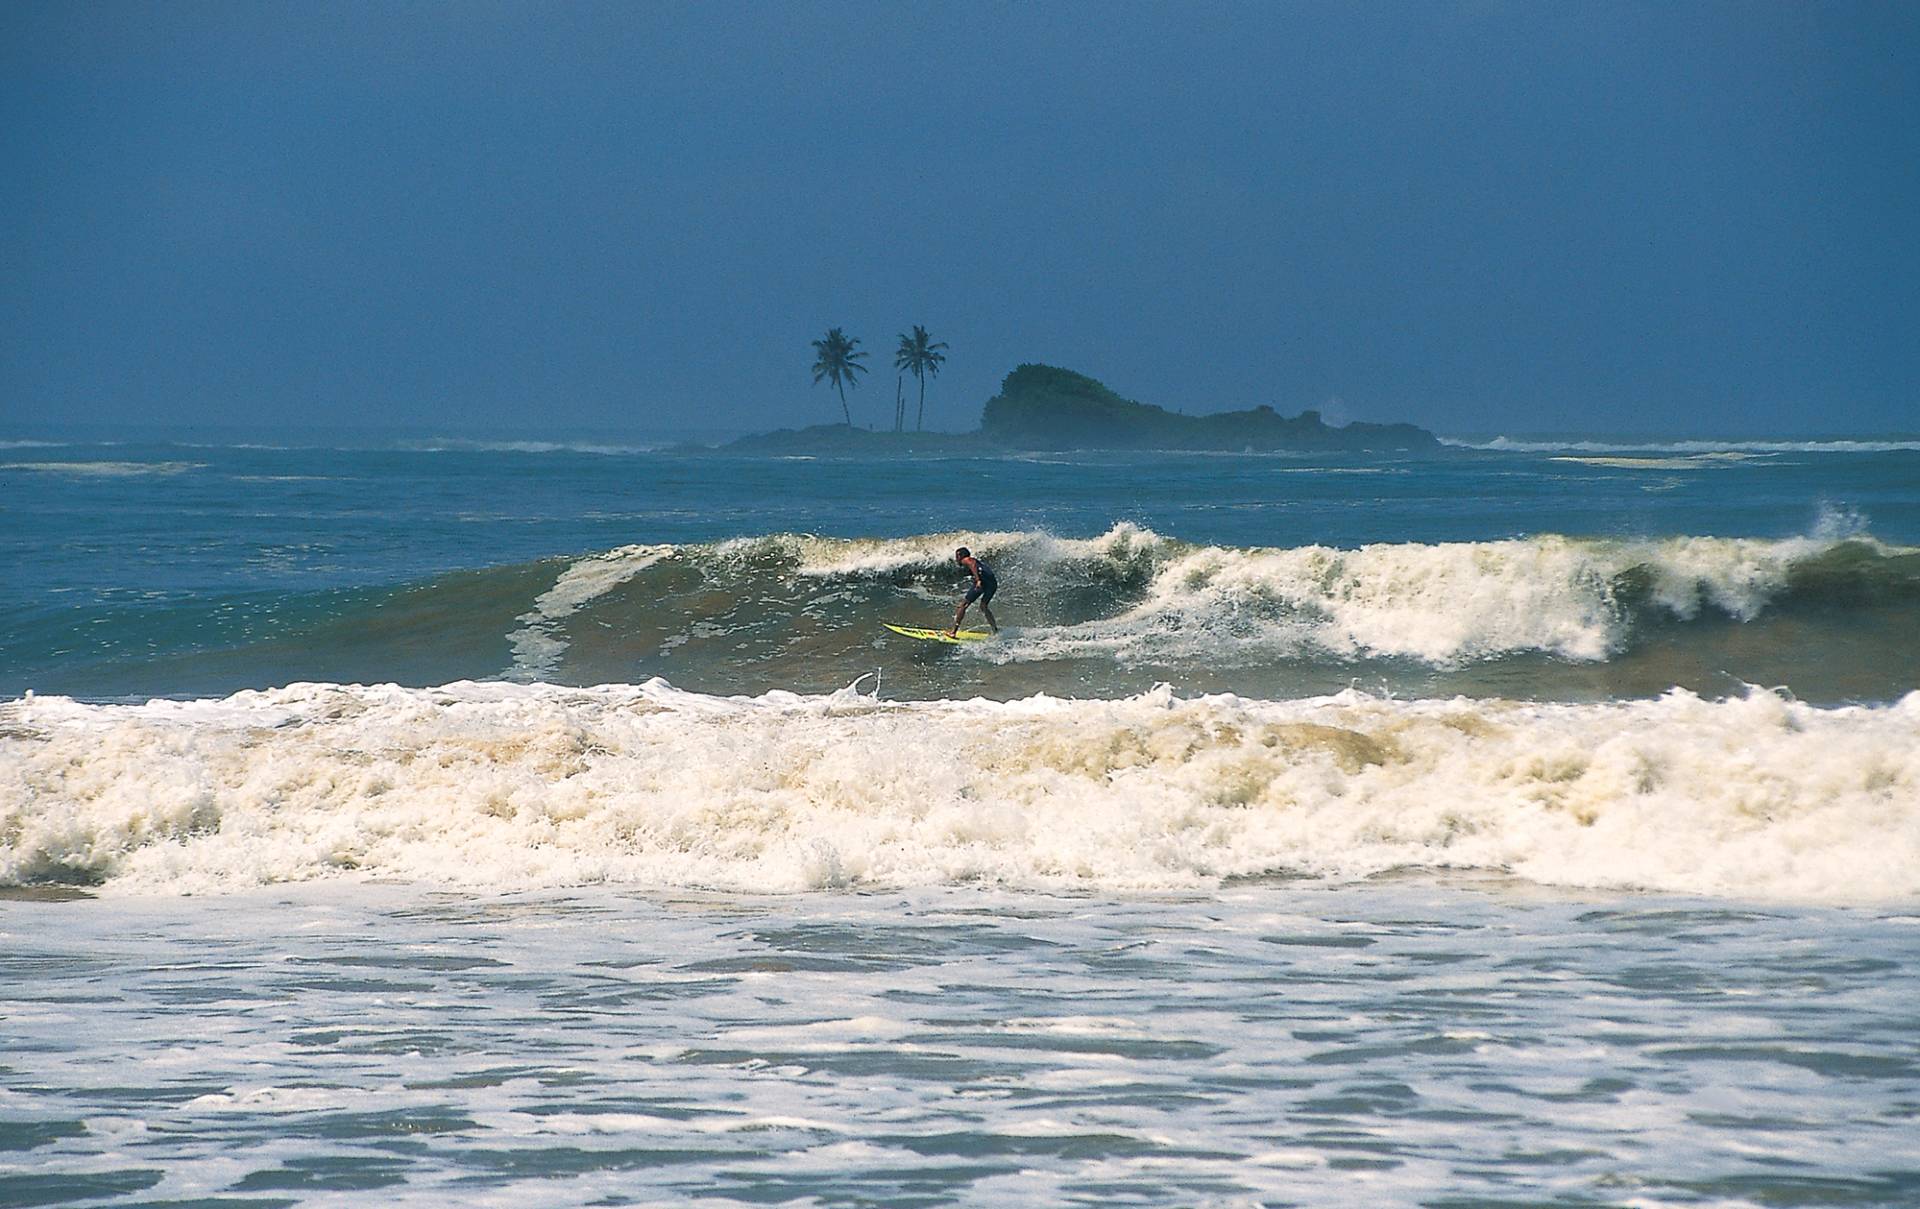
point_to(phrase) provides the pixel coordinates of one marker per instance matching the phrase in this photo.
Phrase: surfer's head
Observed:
(962, 554)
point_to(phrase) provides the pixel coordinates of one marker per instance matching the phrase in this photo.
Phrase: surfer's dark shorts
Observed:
(982, 591)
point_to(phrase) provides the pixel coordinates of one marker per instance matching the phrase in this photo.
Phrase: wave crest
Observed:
(1136, 599)
(1832, 614)
(1156, 598)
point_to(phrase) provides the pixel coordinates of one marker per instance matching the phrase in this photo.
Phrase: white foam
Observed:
(106, 469)
(1509, 444)
(1698, 461)
(510, 786)
(537, 646)
(465, 445)
(853, 558)
(1442, 603)
(1446, 603)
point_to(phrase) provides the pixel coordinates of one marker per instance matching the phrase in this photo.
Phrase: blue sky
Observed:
(1479, 217)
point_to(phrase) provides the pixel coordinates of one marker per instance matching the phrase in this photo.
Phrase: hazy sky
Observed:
(1478, 217)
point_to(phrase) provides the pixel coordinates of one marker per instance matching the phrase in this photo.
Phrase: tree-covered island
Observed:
(1043, 407)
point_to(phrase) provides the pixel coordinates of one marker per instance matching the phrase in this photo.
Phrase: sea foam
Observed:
(536, 649)
(106, 470)
(514, 786)
(1505, 444)
(1440, 603)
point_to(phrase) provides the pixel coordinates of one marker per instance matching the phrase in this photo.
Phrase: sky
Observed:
(1480, 217)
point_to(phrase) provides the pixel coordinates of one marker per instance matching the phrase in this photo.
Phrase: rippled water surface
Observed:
(1525, 824)
(1545, 573)
(1410, 1040)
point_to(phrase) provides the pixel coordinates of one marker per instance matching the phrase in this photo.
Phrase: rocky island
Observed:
(1042, 407)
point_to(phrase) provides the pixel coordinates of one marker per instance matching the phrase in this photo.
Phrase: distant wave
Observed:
(105, 469)
(1864, 445)
(1696, 461)
(500, 786)
(461, 445)
(440, 445)
(407, 445)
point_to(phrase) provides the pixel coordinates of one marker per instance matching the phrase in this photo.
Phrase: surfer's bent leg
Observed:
(960, 613)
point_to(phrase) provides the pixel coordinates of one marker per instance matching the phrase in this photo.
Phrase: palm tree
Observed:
(835, 361)
(919, 356)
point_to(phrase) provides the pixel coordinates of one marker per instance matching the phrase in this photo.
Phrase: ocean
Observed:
(450, 821)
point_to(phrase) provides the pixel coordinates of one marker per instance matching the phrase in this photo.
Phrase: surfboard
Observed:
(914, 631)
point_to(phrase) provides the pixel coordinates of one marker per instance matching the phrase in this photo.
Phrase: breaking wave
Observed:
(1830, 614)
(1447, 603)
(1511, 445)
(468, 445)
(1133, 595)
(517, 786)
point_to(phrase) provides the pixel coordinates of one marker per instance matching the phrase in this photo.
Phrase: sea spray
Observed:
(505, 786)
(1132, 595)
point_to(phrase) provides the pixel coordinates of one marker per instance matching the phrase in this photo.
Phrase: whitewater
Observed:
(508, 787)
(551, 820)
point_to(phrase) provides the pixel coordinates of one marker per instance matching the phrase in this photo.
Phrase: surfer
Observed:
(982, 589)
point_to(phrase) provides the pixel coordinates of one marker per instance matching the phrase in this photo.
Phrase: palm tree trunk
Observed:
(843, 402)
(920, 421)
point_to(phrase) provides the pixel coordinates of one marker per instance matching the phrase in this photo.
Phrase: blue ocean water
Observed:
(175, 569)
(461, 822)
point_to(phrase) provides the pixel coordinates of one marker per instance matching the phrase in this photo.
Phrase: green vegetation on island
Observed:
(835, 361)
(1043, 407)
(919, 355)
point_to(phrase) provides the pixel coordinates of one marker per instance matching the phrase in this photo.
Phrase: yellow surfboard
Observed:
(914, 631)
